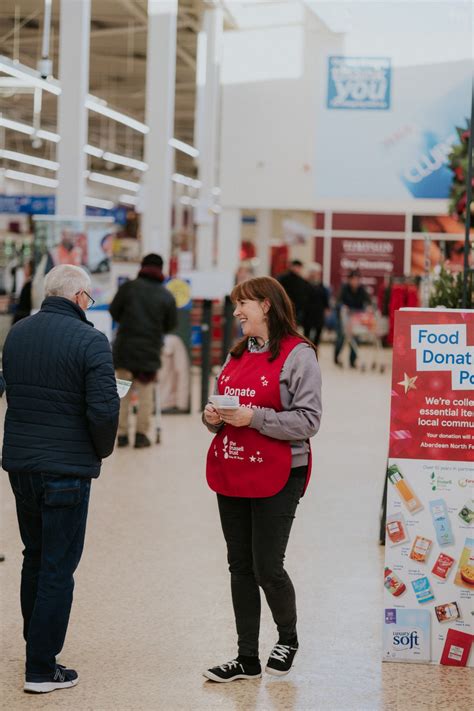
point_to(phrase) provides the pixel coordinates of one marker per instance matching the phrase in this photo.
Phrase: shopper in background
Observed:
(23, 308)
(297, 288)
(353, 299)
(259, 463)
(61, 420)
(145, 310)
(316, 305)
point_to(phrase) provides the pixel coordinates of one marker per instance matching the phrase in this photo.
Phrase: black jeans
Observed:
(256, 532)
(52, 515)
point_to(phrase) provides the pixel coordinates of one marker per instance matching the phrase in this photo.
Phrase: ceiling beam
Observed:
(136, 11)
(186, 57)
(24, 22)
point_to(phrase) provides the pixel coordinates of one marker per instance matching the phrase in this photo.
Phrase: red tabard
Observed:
(240, 460)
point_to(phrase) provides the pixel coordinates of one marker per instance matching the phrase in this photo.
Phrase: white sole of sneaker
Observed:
(44, 687)
(214, 677)
(276, 672)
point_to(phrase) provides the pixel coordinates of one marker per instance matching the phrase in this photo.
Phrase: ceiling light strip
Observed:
(101, 107)
(31, 178)
(116, 182)
(184, 147)
(97, 202)
(31, 160)
(16, 69)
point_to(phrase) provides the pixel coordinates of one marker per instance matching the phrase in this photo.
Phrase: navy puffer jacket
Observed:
(61, 392)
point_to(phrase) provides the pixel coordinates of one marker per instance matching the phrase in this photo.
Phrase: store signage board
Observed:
(46, 205)
(429, 551)
(212, 285)
(359, 83)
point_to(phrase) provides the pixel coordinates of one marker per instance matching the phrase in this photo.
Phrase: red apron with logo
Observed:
(241, 461)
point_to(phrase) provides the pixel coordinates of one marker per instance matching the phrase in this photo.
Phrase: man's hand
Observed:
(238, 417)
(211, 415)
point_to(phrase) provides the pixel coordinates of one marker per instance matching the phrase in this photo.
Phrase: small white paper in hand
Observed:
(123, 386)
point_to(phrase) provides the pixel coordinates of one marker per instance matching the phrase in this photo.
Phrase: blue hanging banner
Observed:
(46, 205)
(27, 204)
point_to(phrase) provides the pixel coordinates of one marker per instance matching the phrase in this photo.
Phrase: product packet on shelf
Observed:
(396, 529)
(465, 572)
(407, 635)
(422, 589)
(467, 512)
(392, 583)
(447, 612)
(407, 495)
(441, 522)
(443, 565)
(420, 549)
(456, 648)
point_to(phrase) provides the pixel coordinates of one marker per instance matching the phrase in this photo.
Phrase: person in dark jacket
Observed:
(297, 288)
(352, 299)
(145, 310)
(61, 421)
(316, 305)
(23, 308)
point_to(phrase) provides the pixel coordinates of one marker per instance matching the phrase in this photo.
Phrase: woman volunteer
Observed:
(259, 463)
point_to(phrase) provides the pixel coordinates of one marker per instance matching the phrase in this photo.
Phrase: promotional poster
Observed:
(429, 551)
(393, 127)
(82, 242)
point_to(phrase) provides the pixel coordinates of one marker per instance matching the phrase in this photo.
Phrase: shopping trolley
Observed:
(365, 328)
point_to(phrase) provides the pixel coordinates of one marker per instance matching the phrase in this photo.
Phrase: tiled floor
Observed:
(152, 603)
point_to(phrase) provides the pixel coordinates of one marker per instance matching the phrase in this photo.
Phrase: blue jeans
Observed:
(52, 515)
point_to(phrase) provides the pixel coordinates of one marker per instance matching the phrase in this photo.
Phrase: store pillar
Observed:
(264, 235)
(72, 113)
(207, 133)
(228, 255)
(157, 194)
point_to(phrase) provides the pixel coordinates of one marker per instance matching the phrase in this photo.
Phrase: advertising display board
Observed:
(429, 552)
(395, 146)
(375, 259)
(359, 83)
(83, 242)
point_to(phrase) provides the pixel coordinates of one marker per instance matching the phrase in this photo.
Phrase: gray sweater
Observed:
(300, 392)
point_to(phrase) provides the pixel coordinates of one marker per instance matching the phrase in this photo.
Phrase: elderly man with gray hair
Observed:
(60, 423)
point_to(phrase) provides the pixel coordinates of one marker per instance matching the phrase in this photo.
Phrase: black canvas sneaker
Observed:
(234, 670)
(141, 440)
(281, 659)
(61, 679)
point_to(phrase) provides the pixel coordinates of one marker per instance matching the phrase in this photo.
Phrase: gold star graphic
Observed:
(408, 383)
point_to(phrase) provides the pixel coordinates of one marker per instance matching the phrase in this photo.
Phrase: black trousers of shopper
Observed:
(257, 532)
(313, 332)
(52, 515)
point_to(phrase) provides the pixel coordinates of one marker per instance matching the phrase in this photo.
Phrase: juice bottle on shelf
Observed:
(393, 584)
(407, 495)
(441, 522)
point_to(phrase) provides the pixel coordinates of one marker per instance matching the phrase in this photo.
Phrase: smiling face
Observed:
(252, 317)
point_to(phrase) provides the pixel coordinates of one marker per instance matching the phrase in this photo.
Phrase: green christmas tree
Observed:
(447, 290)
(458, 164)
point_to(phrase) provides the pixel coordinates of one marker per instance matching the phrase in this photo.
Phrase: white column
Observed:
(327, 247)
(207, 117)
(72, 113)
(230, 234)
(264, 235)
(408, 240)
(160, 91)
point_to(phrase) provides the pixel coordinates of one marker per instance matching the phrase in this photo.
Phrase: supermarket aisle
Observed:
(152, 604)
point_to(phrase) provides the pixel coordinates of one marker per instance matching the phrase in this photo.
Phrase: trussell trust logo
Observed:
(440, 483)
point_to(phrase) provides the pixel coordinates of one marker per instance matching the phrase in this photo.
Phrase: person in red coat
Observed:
(259, 464)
